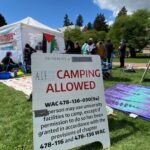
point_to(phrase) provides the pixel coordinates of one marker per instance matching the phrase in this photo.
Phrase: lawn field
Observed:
(133, 60)
(16, 120)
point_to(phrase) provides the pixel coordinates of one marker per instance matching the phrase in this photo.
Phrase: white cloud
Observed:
(110, 22)
(116, 5)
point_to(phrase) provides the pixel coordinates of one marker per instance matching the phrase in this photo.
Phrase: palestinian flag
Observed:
(48, 42)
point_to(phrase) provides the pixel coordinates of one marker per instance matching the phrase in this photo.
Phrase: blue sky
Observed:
(51, 12)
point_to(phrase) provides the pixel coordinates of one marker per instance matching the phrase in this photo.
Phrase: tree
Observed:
(74, 35)
(2, 21)
(66, 20)
(122, 12)
(100, 23)
(81, 37)
(132, 29)
(89, 26)
(79, 21)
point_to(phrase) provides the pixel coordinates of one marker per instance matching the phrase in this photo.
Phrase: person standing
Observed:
(91, 46)
(28, 50)
(39, 47)
(84, 48)
(109, 50)
(77, 48)
(69, 46)
(100, 50)
(122, 53)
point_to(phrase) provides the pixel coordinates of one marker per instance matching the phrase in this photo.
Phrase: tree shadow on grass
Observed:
(146, 80)
(118, 126)
(128, 128)
(92, 146)
(119, 79)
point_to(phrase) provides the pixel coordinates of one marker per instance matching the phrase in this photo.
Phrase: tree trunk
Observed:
(132, 52)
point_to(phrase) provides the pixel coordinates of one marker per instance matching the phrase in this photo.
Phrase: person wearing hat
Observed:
(8, 63)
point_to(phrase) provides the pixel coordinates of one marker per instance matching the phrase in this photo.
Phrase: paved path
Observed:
(135, 65)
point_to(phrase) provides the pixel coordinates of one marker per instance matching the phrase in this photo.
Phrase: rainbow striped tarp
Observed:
(129, 98)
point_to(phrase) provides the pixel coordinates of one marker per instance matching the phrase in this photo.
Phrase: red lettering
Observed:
(86, 85)
(92, 85)
(56, 90)
(82, 73)
(6, 37)
(50, 88)
(78, 85)
(77, 73)
(58, 74)
(69, 88)
(66, 74)
(74, 74)
(97, 73)
(62, 90)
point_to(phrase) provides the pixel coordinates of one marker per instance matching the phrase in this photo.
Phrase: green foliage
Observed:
(74, 35)
(79, 21)
(100, 23)
(2, 21)
(132, 29)
(89, 26)
(142, 14)
(81, 37)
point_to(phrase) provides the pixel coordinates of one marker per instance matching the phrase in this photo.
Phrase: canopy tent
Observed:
(13, 38)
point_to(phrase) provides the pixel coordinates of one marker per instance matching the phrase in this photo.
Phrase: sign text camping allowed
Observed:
(68, 101)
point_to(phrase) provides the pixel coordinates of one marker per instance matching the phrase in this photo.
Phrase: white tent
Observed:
(13, 37)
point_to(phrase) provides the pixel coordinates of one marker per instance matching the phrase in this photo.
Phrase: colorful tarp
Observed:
(129, 98)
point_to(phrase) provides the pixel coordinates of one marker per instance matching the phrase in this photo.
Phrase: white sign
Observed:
(68, 101)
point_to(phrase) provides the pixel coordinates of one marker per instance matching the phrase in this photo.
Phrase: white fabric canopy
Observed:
(13, 37)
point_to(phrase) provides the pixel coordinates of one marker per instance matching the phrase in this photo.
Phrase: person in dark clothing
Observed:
(69, 47)
(77, 49)
(109, 50)
(39, 47)
(7, 63)
(122, 52)
(28, 50)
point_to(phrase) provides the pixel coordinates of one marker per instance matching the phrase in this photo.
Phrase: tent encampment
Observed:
(13, 38)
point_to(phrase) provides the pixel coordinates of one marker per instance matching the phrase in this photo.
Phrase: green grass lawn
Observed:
(134, 60)
(16, 120)
(140, 58)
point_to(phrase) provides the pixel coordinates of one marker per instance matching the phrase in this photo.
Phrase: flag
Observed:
(49, 42)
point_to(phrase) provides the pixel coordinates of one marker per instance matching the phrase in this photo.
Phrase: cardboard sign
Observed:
(68, 101)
